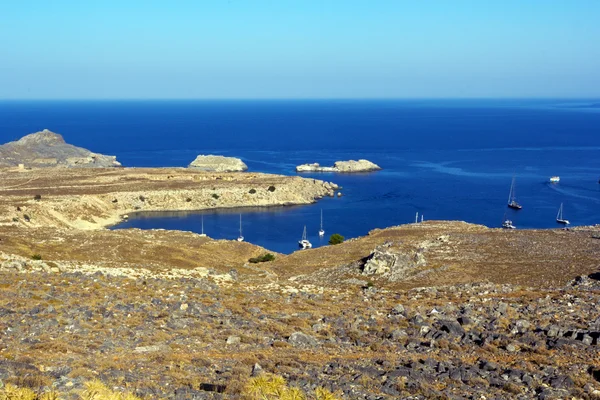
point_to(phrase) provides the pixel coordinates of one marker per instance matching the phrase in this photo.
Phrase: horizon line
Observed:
(301, 98)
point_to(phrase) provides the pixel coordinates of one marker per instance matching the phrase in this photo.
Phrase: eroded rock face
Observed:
(392, 264)
(341, 166)
(49, 149)
(212, 163)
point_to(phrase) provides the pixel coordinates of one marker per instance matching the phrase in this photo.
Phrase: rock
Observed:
(522, 326)
(234, 340)
(256, 370)
(393, 266)
(452, 327)
(587, 339)
(398, 309)
(49, 149)
(341, 166)
(299, 339)
(212, 163)
(511, 348)
(150, 349)
(398, 334)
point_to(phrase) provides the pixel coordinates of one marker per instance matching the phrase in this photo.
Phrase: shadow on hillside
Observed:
(595, 276)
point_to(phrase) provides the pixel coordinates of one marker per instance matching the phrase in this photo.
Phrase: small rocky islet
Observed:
(428, 310)
(351, 166)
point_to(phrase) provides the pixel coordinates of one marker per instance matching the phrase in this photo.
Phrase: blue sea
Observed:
(445, 159)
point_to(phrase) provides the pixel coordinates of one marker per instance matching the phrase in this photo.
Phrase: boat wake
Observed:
(567, 192)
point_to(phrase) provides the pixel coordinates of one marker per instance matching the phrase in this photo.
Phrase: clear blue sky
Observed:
(299, 49)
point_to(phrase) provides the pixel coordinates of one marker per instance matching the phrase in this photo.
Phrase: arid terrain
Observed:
(432, 310)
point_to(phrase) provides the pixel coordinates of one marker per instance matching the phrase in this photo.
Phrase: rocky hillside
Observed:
(49, 149)
(192, 338)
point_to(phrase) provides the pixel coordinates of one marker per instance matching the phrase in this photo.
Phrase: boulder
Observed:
(341, 166)
(299, 339)
(49, 149)
(212, 163)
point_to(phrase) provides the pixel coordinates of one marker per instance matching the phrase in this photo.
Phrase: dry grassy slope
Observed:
(157, 251)
(93, 198)
(468, 253)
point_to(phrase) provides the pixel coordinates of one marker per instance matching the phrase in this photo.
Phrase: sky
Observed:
(257, 49)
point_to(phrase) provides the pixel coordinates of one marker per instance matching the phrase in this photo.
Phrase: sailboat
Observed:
(559, 216)
(512, 202)
(304, 243)
(321, 231)
(507, 223)
(203, 234)
(240, 238)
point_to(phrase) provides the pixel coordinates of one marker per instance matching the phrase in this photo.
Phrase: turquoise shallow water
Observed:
(443, 159)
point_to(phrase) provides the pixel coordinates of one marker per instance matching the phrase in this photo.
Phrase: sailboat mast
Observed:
(560, 212)
(240, 225)
(203, 224)
(321, 219)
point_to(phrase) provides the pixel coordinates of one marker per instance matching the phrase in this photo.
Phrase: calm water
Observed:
(444, 159)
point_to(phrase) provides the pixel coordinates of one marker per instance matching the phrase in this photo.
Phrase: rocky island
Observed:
(211, 163)
(49, 149)
(341, 166)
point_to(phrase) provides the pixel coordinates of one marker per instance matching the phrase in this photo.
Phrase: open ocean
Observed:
(446, 159)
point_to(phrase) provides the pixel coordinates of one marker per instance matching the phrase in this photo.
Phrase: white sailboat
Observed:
(507, 223)
(240, 238)
(304, 243)
(512, 202)
(203, 234)
(559, 216)
(321, 231)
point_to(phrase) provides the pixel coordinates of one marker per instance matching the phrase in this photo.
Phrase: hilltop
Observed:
(49, 149)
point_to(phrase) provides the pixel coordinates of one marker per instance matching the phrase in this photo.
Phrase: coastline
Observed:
(99, 198)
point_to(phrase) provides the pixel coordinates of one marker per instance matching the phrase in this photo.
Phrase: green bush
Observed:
(37, 197)
(263, 258)
(215, 196)
(36, 257)
(271, 188)
(252, 191)
(336, 238)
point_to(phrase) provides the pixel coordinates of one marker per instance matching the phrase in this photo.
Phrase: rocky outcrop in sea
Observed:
(212, 163)
(49, 149)
(341, 166)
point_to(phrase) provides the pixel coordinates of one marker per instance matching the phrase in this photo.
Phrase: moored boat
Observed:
(512, 202)
(304, 243)
(559, 217)
(241, 237)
